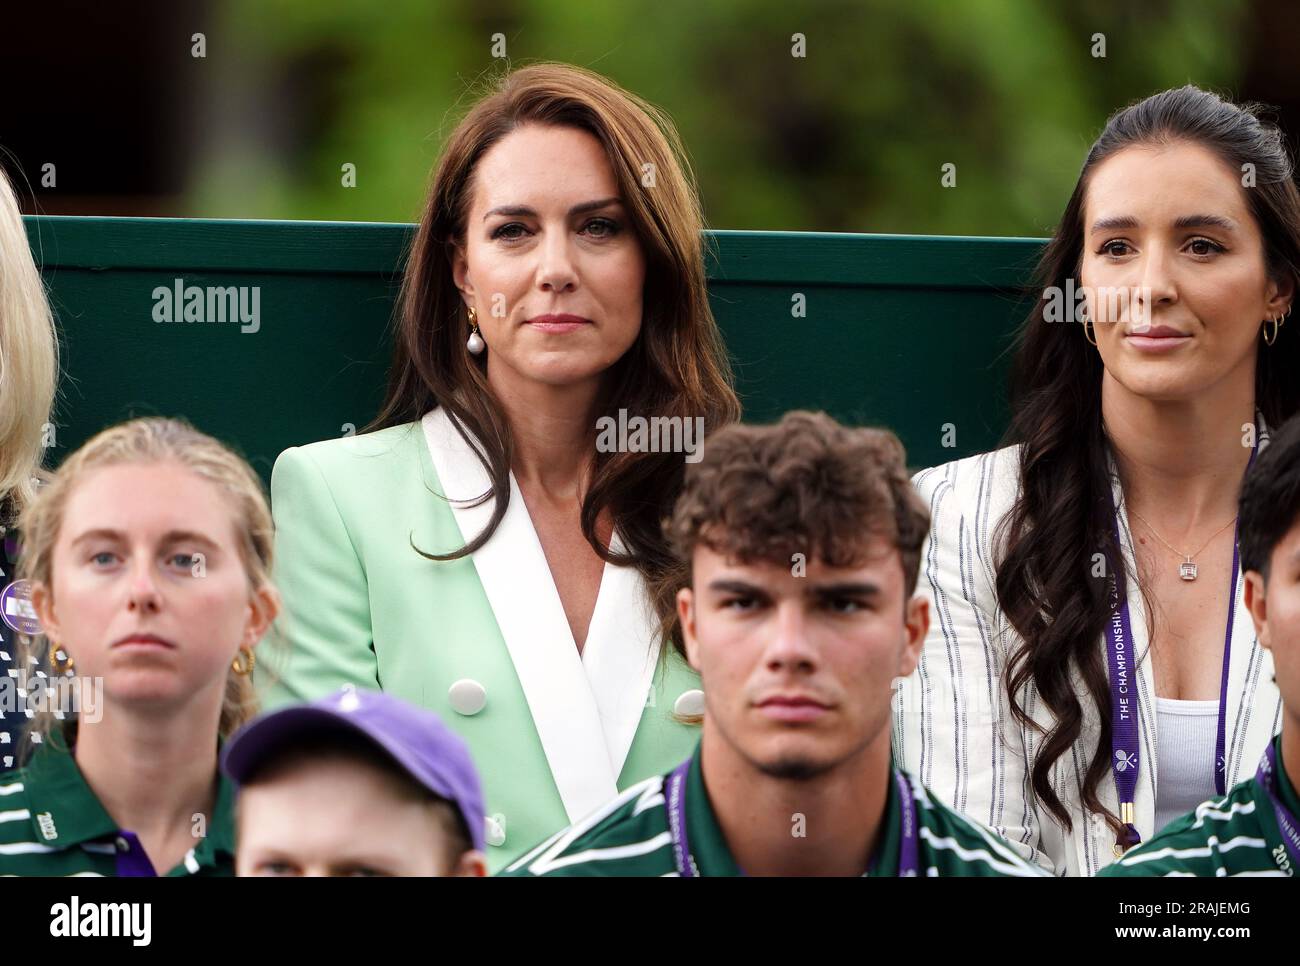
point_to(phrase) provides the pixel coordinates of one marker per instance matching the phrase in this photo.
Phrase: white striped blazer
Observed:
(953, 726)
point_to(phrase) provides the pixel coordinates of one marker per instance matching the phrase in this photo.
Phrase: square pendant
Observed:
(1187, 570)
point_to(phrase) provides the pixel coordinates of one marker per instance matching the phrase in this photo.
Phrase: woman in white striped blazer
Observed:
(1072, 704)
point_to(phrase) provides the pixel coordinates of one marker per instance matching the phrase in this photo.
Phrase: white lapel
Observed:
(620, 654)
(586, 709)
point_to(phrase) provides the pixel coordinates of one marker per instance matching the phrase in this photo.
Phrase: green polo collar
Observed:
(884, 860)
(220, 840)
(713, 857)
(1286, 793)
(708, 846)
(65, 812)
(1285, 790)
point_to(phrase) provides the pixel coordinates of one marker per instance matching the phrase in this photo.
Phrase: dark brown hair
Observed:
(804, 485)
(1270, 498)
(676, 368)
(1063, 514)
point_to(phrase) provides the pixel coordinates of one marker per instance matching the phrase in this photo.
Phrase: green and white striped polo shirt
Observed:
(1233, 835)
(52, 824)
(630, 837)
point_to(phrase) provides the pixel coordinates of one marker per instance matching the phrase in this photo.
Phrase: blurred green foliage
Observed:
(850, 137)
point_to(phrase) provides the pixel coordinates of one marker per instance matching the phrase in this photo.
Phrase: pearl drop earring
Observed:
(475, 343)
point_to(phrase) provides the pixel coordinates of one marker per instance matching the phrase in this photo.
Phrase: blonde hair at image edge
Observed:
(29, 357)
(147, 441)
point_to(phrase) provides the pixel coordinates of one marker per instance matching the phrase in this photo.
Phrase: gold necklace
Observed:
(1186, 569)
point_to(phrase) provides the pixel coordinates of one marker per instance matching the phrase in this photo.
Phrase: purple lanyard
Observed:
(1266, 776)
(675, 804)
(1221, 735)
(1123, 709)
(1125, 762)
(909, 860)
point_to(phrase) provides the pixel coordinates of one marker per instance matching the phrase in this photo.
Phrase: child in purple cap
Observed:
(356, 783)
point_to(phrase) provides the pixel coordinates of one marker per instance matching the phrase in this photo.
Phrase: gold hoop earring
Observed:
(55, 665)
(1087, 330)
(245, 667)
(1277, 324)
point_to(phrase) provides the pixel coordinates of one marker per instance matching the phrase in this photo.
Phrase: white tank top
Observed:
(1186, 732)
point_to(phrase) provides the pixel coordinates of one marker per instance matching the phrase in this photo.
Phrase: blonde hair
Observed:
(29, 359)
(147, 441)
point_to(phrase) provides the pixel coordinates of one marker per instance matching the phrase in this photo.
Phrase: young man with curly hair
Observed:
(802, 543)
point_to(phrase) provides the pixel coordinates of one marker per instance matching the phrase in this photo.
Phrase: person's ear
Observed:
(1257, 604)
(43, 604)
(916, 624)
(471, 864)
(686, 617)
(460, 274)
(1281, 292)
(263, 609)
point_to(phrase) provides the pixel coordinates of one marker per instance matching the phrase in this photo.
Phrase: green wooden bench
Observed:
(909, 332)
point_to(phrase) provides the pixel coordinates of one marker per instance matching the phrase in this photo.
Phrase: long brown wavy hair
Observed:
(676, 367)
(1063, 514)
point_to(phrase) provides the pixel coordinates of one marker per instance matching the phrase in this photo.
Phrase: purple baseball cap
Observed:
(415, 738)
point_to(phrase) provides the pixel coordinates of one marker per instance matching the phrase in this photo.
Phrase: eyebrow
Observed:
(1124, 222)
(525, 211)
(1206, 221)
(383, 865)
(847, 588)
(727, 586)
(171, 536)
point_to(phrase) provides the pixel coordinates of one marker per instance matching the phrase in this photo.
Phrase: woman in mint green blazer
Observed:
(491, 548)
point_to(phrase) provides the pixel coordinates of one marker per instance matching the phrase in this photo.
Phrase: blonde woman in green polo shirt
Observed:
(147, 557)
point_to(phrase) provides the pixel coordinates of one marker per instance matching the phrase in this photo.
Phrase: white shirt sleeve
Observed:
(953, 726)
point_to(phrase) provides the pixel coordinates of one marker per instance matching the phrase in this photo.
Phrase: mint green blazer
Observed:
(481, 640)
